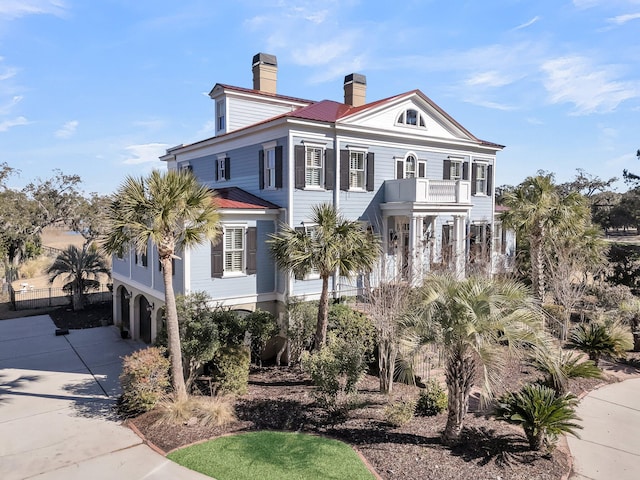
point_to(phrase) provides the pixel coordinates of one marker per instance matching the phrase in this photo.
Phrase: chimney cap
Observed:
(355, 78)
(264, 58)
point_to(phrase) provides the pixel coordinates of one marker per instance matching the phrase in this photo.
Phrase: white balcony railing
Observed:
(424, 190)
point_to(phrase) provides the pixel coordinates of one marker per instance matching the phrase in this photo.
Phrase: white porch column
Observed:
(417, 261)
(459, 227)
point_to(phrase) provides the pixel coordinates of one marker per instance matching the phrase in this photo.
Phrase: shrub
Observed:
(144, 380)
(324, 369)
(207, 411)
(541, 414)
(558, 367)
(432, 400)
(400, 413)
(231, 369)
(301, 328)
(598, 339)
(262, 326)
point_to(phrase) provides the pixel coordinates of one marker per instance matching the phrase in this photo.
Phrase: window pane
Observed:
(412, 117)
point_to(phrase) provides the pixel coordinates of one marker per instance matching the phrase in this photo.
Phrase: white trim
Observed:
(268, 145)
(133, 284)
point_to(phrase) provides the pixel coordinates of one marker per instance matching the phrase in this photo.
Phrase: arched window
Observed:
(411, 117)
(410, 167)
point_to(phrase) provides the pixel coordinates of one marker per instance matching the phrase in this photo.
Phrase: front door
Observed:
(145, 320)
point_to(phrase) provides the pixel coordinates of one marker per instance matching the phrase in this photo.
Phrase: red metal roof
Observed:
(234, 197)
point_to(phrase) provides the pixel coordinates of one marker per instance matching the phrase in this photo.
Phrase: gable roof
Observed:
(236, 198)
(260, 93)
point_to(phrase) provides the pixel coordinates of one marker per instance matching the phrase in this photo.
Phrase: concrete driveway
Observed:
(609, 444)
(56, 407)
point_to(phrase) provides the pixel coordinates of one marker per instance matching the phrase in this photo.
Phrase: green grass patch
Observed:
(273, 456)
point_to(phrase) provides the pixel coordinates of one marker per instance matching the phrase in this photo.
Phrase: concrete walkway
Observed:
(609, 444)
(56, 407)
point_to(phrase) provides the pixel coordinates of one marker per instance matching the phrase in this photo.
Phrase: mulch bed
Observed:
(281, 398)
(98, 315)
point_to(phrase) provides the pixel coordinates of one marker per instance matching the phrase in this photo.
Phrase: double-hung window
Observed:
(221, 123)
(314, 167)
(480, 177)
(456, 170)
(270, 168)
(357, 170)
(235, 253)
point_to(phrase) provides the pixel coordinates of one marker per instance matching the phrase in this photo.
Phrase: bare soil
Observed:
(281, 398)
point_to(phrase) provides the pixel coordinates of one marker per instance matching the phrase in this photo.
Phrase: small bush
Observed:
(432, 400)
(144, 380)
(601, 339)
(324, 369)
(262, 326)
(301, 328)
(400, 413)
(542, 415)
(231, 369)
(207, 411)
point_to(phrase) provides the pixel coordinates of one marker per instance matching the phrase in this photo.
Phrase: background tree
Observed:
(26, 212)
(173, 212)
(81, 269)
(536, 211)
(333, 245)
(471, 320)
(90, 217)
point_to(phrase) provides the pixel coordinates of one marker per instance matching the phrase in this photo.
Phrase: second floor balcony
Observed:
(428, 191)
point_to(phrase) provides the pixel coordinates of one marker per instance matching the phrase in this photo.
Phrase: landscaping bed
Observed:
(281, 398)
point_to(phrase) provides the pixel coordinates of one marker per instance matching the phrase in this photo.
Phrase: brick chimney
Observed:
(265, 72)
(355, 89)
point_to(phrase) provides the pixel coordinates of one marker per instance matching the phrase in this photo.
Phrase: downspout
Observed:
(336, 198)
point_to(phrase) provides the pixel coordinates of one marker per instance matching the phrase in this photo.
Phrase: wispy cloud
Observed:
(529, 23)
(145, 153)
(6, 109)
(489, 104)
(209, 128)
(8, 73)
(7, 124)
(590, 88)
(68, 130)
(12, 9)
(622, 19)
(489, 79)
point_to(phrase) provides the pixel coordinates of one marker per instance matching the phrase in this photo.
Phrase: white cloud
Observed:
(529, 23)
(13, 9)
(6, 109)
(622, 19)
(590, 88)
(489, 104)
(489, 79)
(145, 153)
(8, 73)
(7, 124)
(67, 130)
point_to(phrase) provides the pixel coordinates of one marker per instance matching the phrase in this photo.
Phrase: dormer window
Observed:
(221, 123)
(411, 117)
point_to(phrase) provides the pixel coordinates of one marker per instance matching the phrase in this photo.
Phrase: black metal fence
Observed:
(29, 298)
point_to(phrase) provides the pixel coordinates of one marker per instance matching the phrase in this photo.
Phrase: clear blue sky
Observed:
(100, 88)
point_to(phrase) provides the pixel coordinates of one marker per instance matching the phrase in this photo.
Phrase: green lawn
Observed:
(273, 456)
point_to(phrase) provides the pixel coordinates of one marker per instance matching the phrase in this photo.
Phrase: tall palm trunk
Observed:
(537, 264)
(173, 330)
(460, 373)
(323, 315)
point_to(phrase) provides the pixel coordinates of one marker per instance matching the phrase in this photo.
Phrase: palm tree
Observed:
(601, 339)
(558, 367)
(333, 244)
(542, 414)
(471, 320)
(174, 212)
(80, 269)
(536, 210)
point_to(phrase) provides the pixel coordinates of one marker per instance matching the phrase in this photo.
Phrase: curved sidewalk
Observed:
(609, 444)
(56, 402)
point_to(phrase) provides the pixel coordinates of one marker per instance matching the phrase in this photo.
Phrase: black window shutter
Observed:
(399, 169)
(489, 179)
(344, 170)
(474, 177)
(261, 169)
(446, 173)
(465, 170)
(421, 168)
(217, 264)
(227, 168)
(300, 165)
(216, 169)
(279, 166)
(330, 169)
(370, 171)
(252, 249)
